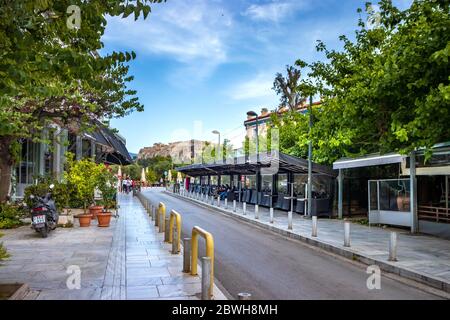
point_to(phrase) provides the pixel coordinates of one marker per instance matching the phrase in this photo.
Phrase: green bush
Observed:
(10, 216)
(3, 253)
(64, 194)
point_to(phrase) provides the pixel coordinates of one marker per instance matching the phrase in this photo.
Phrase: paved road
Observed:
(249, 259)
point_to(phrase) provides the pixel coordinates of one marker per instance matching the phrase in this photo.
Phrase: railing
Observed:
(434, 214)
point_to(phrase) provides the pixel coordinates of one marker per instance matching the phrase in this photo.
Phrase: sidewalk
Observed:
(421, 258)
(128, 260)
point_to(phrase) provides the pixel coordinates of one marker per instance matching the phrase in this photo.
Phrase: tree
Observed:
(287, 88)
(389, 89)
(51, 72)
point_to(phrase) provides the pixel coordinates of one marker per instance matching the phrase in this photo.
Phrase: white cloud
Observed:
(258, 87)
(192, 33)
(273, 11)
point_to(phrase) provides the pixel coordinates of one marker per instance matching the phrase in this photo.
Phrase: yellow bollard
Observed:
(175, 217)
(196, 231)
(161, 216)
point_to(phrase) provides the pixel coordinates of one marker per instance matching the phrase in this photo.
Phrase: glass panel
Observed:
(300, 181)
(282, 183)
(373, 195)
(225, 180)
(394, 195)
(214, 180)
(266, 183)
(250, 182)
(204, 180)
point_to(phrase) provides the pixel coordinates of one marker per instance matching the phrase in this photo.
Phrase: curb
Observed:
(346, 253)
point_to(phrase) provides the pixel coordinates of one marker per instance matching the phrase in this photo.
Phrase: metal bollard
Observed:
(166, 230)
(218, 201)
(175, 239)
(244, 296)
(271, 215)
(346, 234)
(314, 226)
(162, 223)
(226, 203)
(206, 278)
(234, 205)
(207, 198)
(393, 247)
(153, 213)
(156, 216)
(187, 255)
(244, 208)
(290, 220)
(256, 211)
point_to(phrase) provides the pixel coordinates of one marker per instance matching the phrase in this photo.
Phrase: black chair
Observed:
(300, 207)
(253, 197)
(247, 196)
(230, 195)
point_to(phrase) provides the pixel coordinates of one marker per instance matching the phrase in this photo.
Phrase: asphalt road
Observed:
(265, 264)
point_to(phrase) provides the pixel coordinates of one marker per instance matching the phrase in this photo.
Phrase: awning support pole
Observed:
(340, 193)
(413, 192)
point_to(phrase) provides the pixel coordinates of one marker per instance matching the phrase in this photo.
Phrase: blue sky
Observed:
(202, 64)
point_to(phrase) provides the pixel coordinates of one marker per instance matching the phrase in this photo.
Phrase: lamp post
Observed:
(310, 158)
(254, 114)
(258, 182)
(218, 146)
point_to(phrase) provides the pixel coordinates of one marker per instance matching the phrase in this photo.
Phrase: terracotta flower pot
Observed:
(95, 210)
(85, 219)
(104, 218)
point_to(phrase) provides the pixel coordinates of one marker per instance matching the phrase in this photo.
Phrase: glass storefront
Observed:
(321, 186)
(250, 182)
(266, 183)
(225, 180)
(214, 180)
(282, 184)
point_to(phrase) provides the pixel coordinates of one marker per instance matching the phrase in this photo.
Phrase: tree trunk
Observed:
(6, 162)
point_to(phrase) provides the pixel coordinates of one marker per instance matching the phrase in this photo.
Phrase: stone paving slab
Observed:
(128, 260)
(422, 258)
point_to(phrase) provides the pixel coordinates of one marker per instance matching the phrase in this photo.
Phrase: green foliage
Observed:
(64, 193)
(107, 184)
(293, 133)
(133, 171)
(49, 71)
(158, 164)
(287, 88)
(3, 253)
(84, 175)
(388, 90)
(10, 216)
(150, 175)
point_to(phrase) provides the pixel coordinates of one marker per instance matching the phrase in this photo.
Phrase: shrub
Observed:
(3, 253)
(10, 216)
(106, 182)
(83, 175)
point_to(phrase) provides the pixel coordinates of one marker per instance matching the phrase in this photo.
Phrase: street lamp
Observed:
(218, 146)
(258, 176)
(254, 114)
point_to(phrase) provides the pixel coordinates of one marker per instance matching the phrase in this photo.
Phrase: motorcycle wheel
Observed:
(44, 232)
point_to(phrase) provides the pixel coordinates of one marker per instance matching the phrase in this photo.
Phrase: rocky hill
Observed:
(183, 150)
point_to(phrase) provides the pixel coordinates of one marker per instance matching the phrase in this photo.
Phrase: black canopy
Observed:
(270, 163)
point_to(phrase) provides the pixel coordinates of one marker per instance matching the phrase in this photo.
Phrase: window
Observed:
(266, 183)
(282, 183)
(225, 180)
(250, 182)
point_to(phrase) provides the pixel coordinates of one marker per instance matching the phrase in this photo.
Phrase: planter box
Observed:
(13, 291)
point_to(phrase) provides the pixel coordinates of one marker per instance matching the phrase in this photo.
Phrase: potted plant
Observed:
(107, 186)
(83, 174)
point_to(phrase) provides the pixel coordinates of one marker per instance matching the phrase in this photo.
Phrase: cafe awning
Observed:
(269, 163)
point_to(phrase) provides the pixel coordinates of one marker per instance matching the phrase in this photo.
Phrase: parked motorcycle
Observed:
(44, 216)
